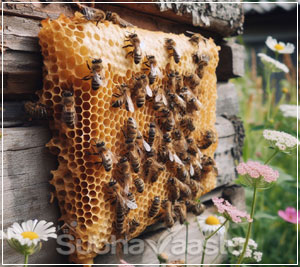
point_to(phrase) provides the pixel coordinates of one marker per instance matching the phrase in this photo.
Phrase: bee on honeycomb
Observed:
(84, 170)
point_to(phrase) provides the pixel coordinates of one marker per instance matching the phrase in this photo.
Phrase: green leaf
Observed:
(264, 215)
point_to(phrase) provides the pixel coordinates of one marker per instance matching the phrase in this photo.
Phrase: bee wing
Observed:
(164, 99)
(180, 100)
(130, 103)
(148, 91)
(192, 171)
(142, 45)
(146, 146)
(171, 156)
(130, 204)
(199, 104)
(199, 153)
(199, 164)
(177, 159)
(158, 97)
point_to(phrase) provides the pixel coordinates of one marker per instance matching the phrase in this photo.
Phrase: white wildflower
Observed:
(281, 140)
(257, 255)
(235, 253)
(235, 247)
(279, 47)
(289, 110)
(274, 65)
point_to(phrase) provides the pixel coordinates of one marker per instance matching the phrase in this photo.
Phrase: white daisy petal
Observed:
(17, 228)
(273, 64)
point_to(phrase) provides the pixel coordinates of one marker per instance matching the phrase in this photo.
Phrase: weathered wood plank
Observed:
(231, 62)
(225, 20)
(228, 101)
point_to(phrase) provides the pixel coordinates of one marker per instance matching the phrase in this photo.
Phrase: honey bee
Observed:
(180, 146)
(136, 53)
(165, 119)
(174, 189)
(133, 225)
(107, 157)
(131, 198)
(36, 110)
(122, 204)
(115, 19)
(187, 125)
(134, 159)
(196, 207)
(182, 174)
(191, 80)
(201, 61)
(155, 206)
(207, 163)
(195, 37)
(169, 214)
(122, 173)
(151, 65)
(180, 210)
(69, 116)
(192, 102)
(196, 169)
(151, 134)
(131, 131)
(139, 184)
(96, 77)
(152, 169)
(208, 138)
(195, 187)
(160, 99)
(96, 15)
(171, 83)
(185, 191)
(179, 81)
(141, 89)
(123, 97)
(193, 148)
(170, 46)
(175, 101)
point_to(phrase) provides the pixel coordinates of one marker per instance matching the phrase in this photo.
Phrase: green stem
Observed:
(207, 238)
(272, 156)
(249, 226)
(269, 95)
(26, 260)
(186, 240)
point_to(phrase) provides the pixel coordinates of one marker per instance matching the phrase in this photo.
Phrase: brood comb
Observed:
(80, 184)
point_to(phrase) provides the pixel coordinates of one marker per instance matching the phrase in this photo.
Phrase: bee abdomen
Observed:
(154, 209)
(139, 184)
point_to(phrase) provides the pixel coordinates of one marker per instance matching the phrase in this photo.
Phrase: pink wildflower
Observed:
(257, 170)
(229, 211)
(125, 264)
(290, 215)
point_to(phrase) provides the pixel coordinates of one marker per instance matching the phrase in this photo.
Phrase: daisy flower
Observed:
(210, 223)
(272, 64)
(256, 174)
(280, 140)
(279, 47)
(230, 212)
(26, 238)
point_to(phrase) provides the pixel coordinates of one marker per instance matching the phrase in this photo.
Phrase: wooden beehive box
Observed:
(27, 161)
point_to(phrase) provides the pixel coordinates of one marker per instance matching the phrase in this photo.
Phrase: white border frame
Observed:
(2, 139)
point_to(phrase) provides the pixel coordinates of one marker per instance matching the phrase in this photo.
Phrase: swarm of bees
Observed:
(167, 144)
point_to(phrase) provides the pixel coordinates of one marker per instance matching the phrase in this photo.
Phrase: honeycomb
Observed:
(67, 45)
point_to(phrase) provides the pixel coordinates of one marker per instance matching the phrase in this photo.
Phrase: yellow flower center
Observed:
(30, 235)
(285, 90)
(212, 220)
(278, 47)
